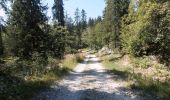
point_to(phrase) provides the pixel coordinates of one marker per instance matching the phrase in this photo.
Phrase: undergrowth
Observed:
(135, 80)
(17, 83)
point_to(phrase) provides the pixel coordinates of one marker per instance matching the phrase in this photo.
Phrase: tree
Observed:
(83, 19)
(58, 12)
(91, 22)
(148, 34)
(3, 4)
(58, 41)
(71, 37)
(59, 30)
(77, 17)
(25, 28)
(99, 19)
(2, 28)
(114, 11)
(78, 26)
(4, 7)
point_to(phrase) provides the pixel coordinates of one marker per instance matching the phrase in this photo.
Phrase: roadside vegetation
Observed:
(133, 42)
(133, 34)
(144, 74)
(35, 53)
(21, 85)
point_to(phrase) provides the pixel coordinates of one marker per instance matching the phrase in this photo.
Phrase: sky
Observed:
(93, 8)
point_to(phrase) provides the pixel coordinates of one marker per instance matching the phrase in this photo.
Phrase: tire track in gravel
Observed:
(90, 81)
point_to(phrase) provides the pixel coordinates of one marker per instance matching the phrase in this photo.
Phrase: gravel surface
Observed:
(90, 81)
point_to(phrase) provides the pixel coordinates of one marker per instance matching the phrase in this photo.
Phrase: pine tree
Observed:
(78, 26)
(59, 30)
(3, 5)
(27, 19)
(58, 12)
(1, 42)
(83, 19)
(71, 36)
(77, 17)
(91, 22)
(114, 11)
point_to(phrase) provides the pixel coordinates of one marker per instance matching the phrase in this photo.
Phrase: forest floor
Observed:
(90, 81)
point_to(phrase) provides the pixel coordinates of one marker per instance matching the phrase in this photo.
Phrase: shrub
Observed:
(149, 33)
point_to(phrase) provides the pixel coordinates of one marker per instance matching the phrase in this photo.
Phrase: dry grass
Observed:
(22, 88)
(72, 60)
(145, 77)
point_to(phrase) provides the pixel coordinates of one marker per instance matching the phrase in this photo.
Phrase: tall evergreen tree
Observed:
(91, 22)
(83, 19)
(58, 12)
(59, 31)
(114, 11)
(4, 7)
(25, 28)
(1, 42)
(78, 25)
(3, 4)
(77, 17)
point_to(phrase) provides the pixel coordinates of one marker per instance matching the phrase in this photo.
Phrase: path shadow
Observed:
(16, 88)
(121, 74)
(114, 74)
(93, 62)
(64, 93)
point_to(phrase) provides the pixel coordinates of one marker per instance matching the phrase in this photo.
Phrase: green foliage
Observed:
(148, 85)
(83, 19)
(58, 41)
(80, 26)
(24, 28)
(3, 5)
(1, 41)
(149, 32)
(142, 62)
(94, 36)
(106, 31)
(139, 79)
(24, 79)
(58, 12)
(114, 10)
(30, 46)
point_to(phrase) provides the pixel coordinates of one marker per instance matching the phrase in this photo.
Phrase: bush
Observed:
(149, 33)
(142, 62)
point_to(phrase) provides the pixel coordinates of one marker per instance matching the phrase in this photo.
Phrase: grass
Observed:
(22, 88)
(112, 67)
(19, 89)
(71, 61)
(135, 80)
(152, 87)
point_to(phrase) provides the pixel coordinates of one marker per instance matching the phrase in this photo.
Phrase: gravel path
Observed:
(89, 81)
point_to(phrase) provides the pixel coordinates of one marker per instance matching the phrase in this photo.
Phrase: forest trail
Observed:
(90, 81)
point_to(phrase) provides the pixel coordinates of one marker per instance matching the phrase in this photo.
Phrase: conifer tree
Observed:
(25, 28)
(59, 30)
(58, 12)
(114, 11)
(1, 42)
(83, 19)
(78, 26)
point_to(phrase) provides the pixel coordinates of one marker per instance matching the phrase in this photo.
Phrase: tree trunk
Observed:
(1, 44)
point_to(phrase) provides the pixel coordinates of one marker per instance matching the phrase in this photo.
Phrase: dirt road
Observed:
(90, 81)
